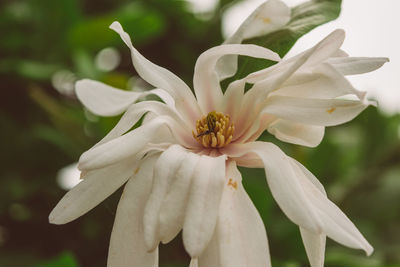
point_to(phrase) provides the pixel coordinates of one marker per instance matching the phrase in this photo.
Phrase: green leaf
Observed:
(66, 259)
(304, 18)
(143, 22)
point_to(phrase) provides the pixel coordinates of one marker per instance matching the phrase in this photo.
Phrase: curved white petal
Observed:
(102, 99)
(164, 174)
(282, 181)
(271, 79)
(326, 48)
(203, 204)
(135, 112)
(322, 112)
(130, 144)
(127, 247)
(314, 243)
(162, 78)
(268, 17)
(206, 81)
(97, 185)
(105, 100)
(323, 82)
(233, 99)
(357, 65)
(240, 233)
(173, 207)
(335, 224)
(297, 133)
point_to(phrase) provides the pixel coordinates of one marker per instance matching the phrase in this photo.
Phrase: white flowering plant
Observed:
(179, 168)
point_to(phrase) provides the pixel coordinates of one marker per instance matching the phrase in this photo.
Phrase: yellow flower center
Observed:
(214, 130)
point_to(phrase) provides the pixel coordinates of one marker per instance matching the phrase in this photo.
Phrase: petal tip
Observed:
(368, 250)
(54, 219)
(115, 26)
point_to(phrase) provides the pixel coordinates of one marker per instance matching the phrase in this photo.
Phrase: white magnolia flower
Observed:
(180, 165)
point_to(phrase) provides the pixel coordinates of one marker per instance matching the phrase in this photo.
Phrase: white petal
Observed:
(335, 224)
(282, 181)
(206, 81)
(324, 82)
(102, 99)
(233, 99)
(97, 185)
(128, 144)
(357, 65)
(268, 17)
(194, 263)
(260, 124)
(240, 231)
(162, 78)
(314, 243)
(164, 175)
(309, 58)
(322, 112)
(211, 254)
(127, 247)
(315, 247)
(172, 211)
(135, 112)
(297, 133)
(203, 204)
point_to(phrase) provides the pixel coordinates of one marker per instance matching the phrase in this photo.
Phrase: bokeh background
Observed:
(46, 45)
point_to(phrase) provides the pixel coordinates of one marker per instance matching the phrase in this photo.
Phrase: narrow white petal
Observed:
(102, 99)
(233, 99)
(96, 186)
(172, 211)
(322, 112)
(135, 112)
(194, 263)
(164, 175)
(271, 79)
(240, 231)
(323, 82)
(309, 58)
(127, 247)
(211, 254)
(282, 181)
(268, 17)
(129, 144)
(162, 78)
(297, 133)
(357, 65)
(206, 81)
(314, 244)
(203, 204)
(335, 224)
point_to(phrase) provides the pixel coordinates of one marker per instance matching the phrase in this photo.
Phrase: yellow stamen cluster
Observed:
(214, 130)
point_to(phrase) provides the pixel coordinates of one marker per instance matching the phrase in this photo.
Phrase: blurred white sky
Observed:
(371, 30)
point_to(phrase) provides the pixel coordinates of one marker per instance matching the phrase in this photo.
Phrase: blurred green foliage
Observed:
(44, 130)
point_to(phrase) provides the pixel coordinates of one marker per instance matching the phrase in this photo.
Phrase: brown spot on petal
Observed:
(232, 183)
(136, 170)
(332, 109)
(266, 20)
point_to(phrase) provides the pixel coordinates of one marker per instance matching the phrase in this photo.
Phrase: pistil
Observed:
(214, 130)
